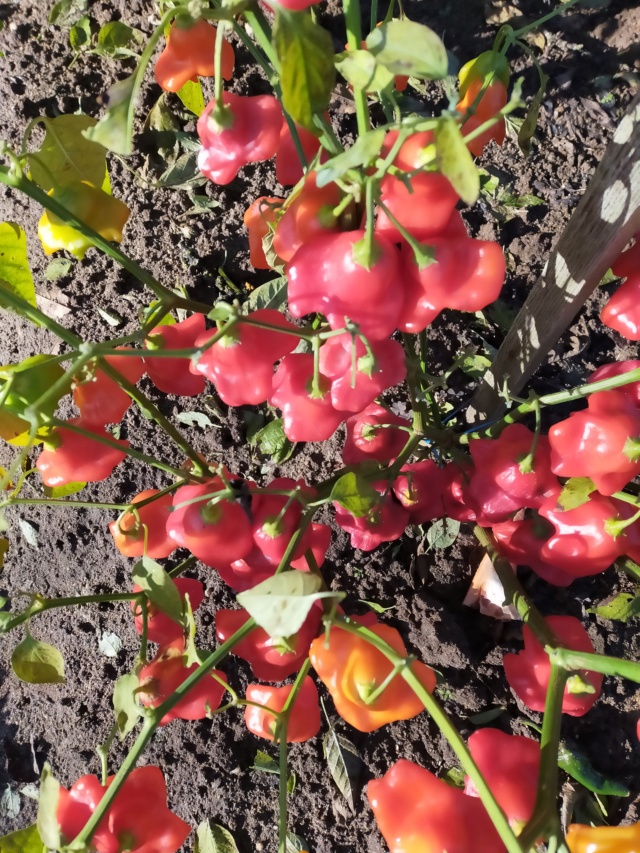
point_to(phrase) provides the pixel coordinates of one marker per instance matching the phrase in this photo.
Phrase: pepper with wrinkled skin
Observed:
(189, 54)
(351, 669)
(304, 717)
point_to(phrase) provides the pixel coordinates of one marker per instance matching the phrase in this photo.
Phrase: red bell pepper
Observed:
(99, 398)
(419, 488)
(75, 458)
(371, 435)
(288, 165)
(172, 375)
(307, 212)
(622, 311)
(146, 531)
(386, 522)
(304, 717)
(528, 671)
(161, 628)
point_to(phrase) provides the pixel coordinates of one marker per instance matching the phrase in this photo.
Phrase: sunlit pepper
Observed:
(304, 716)
(189, 54)
(603, 839)
(93, 207)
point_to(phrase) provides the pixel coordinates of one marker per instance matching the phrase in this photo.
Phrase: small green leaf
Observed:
(63, 491)
(344, 762)
(359, 67)
(282, 603)
(80, 34)
(528, 126)
(161, 590)
(405, 47)
(57, 268)
(47, 822)
(487, 716)
(574, 762)
(272, 441)
(363, 152)
(118, 39)
(110, 644)
(183, 174)
(125, 704)
(455, 777)
(455, 160)
(9, 803)
(22, 841)
(354, 494)
(66, 12)
(29, 532)
(161, 117)
(190, 655)
(212, 838)
(575, 492)
(377, 608)
(111, 317)
(265, 763)
(115, 129)
(518, 201)
(443, 533)
(192, 97)
(37, 663)
(15, 273)
(622, 608)
(272, 294)
(307, 72)
(295, 844)
(474, 364)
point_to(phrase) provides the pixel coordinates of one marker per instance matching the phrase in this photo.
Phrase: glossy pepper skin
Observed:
(172, 375)
(622, 311)
(262, 213)
(324, 275)
(139, 814)
(510, 765)
(270, 659)
(288, 166)
(131, 533)
(93, 207)
(489, 68)
(419, 489)
(418, 813)
(528, 671)
(371, 435)
(385, 522)
(601, 442)
(251, 134)
(99, 398)
(161, 628)
(304, 718)
(603, 839)
(166, 672)
(189, 54)
(351, 669)
(78, 458)
(308, 212)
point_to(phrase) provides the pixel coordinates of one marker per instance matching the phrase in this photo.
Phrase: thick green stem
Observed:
(354, 42)
(619, 667)
(40, 605)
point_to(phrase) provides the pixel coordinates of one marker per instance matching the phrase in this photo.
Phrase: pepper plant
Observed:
(368, 248)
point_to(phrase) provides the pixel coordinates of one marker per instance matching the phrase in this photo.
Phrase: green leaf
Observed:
(66, 12)
(9, 803)
(30, 379)
(37, 663)
(354, 494)
(443, 533)
(405, 47)
(272, 294)
(487, 716)
(161, 117)
(282, 603)
(15, 273)
(47, 822)
(377, 608)
(455, 160)
(22, 841)
(190, 655)
(57, 268)
(63, 491)
(161, 590)
(125, 704)
(295, 844)
(575, 492)
(518, 201)
(343, 761)
(574, 762)
(66, 155)
(622, 608)
(117, 39)
(528, 126)
(192, 97)
(110, 644)
(455, 777)
(29, 533)
(183, 174)
(212, 838)
(196, 419)
(359, 67)
(307, 72)
(265, 763)
(115, 129)
(80, 34)
(272, 441)
(363, 152)
(473, 363)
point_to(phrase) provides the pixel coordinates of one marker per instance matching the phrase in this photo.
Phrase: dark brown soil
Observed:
(590, 56)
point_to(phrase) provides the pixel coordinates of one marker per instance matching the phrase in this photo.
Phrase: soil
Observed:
(591, 55)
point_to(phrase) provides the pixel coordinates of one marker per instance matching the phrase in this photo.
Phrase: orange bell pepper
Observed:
(351, 669)
(603, 839)
(257, 218)
(189, 54)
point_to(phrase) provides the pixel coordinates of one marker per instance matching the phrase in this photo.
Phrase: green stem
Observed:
(40, 605)
(354, 42)
(619, 667)
(36, 316)
(103, 752)
(545, 815)
(151, 722)
(447, 728)
(559, 10)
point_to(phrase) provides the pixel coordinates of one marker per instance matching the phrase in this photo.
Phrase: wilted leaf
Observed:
(162, 591)
(307, 72)
(66, 12)
(212, 838)
(57, 268)
(9, 804)
(295, 844)
(30, 533)
(4, 547)
(485, 717)
(343, 761)
(282, 603)
(47, 823)
(487, 593)
(183, 174)
(354, 494)
(265, 763)
(272, 441)
(110, 644)
(528, 126)
(195, 419)
(15, 273)
(377, 608)
(125, 705)
(37, 663)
